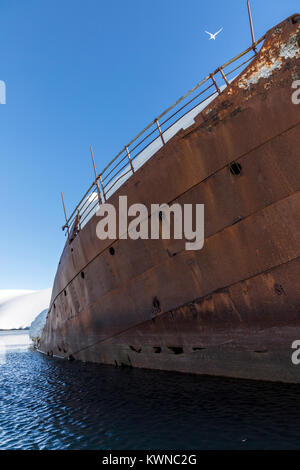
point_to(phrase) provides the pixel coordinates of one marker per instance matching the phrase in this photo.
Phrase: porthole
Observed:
(112, 250)
(235, 168)
(279, 290)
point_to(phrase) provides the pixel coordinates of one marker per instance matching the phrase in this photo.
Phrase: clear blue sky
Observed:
(81, 72)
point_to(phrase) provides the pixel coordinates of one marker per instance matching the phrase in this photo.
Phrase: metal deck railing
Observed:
(153, 137)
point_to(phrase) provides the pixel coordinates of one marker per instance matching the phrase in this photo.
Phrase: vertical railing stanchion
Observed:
(251, 27)
(129, 158)
(215, 83)
(78, 219)
(224, 76)
(160, 132)
(102, 187)
(96, 181)
(66, 218)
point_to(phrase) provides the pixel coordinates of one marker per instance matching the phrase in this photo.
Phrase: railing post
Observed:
(160, 132)
(78, 218)
(129, 158)
(251, 27)
(97, 182)
(215, 83)
(102, 187)
(224, 76)
(66, 218)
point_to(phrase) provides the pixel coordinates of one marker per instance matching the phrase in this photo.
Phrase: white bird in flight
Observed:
(213, 36)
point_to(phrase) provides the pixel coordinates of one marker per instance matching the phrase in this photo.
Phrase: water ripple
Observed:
(49, 404)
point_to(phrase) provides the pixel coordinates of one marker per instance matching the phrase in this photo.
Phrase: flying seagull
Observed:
(213, 36)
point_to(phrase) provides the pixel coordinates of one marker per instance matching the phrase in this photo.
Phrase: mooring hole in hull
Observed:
(136, 349)
(176, 349)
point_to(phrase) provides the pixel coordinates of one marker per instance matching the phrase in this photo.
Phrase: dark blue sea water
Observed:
(50, 404)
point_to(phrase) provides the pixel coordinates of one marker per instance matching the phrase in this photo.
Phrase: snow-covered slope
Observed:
(9, 294)
(18, 308)
(38, 324)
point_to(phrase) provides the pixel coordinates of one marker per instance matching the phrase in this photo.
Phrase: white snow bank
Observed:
(18, 308)
(9, 294)
(37, 325)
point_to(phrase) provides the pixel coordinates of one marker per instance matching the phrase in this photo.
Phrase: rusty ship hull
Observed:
(232, 308)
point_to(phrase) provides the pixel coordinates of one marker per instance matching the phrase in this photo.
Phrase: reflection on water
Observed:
(51, 404)
(12, 340)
